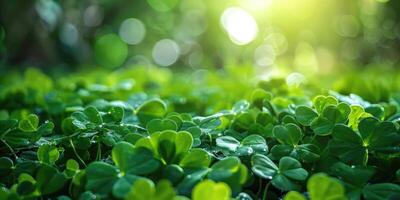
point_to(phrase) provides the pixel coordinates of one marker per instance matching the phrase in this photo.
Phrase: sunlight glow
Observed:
(240, 25)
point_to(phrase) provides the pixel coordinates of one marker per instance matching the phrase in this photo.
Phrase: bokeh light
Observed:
(92, 16)
(165, 52)
(264, 55)
(69, 35)
(132, 31)
(110, 50)
(240, 25)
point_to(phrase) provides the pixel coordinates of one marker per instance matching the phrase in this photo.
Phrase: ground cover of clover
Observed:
(138, 135)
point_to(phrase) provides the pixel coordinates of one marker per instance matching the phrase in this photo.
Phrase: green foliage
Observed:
(107, 139)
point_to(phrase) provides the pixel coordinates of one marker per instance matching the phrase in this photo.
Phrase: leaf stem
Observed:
(10, 148)
(76, 153)
(266, 191)
(98, 154)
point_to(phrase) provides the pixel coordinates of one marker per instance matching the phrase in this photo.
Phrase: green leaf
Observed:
(151, 109)
(322, 126)
(227, 143)
(173, 173)
(348, 145)
(67, 126)
(322, 187)
(134, 161)
(240, 106)
(144, 189)
(288, 134)
(196, 158)
(381, 191)
(320, 102)
(93, 115)
(208, 189)
(49, 180)
(117, 113)
(72, 165)
(357, 113)
(305, 115)
(7, 125)
(291, 168)
(355, 175)
(6, 165)
(283, 177)
(45, 129)
(263, 166)
(48, 154)
(156, 125)
(101, 177)
(293, 195)
(224, 168)
(29, 124)
(25, 188)
(253, 144)
(123, 185)
(190, 180)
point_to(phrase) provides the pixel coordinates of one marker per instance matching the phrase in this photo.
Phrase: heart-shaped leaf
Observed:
(151, 109)
(156, 125)
(208, 189)
(29, 124)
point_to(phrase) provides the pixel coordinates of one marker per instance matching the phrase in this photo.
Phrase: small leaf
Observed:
(322, 187)
(228, 143)
(287, 134)
(48, 154)
(29, 124)
(93, 115)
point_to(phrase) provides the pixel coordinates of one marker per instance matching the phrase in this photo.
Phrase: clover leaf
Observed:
(356, 179)
(284, 177)
(101, 177)
(231, 171)
(320, 187)
(29, 124)
(48, 154)
(208, 189)
(248, 146)
(330, 116)
(289, 135)
(321, 102)
(144, 189)
(168, 146)
(151, 109)
(131, 160)
(353, 147)
(161, 125)
(305, 115)
(49, 180)
(381, 191)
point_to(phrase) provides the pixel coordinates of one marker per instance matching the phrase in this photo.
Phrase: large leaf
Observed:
(101, 177)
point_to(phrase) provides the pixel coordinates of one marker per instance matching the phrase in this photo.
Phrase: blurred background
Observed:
(307, 36)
